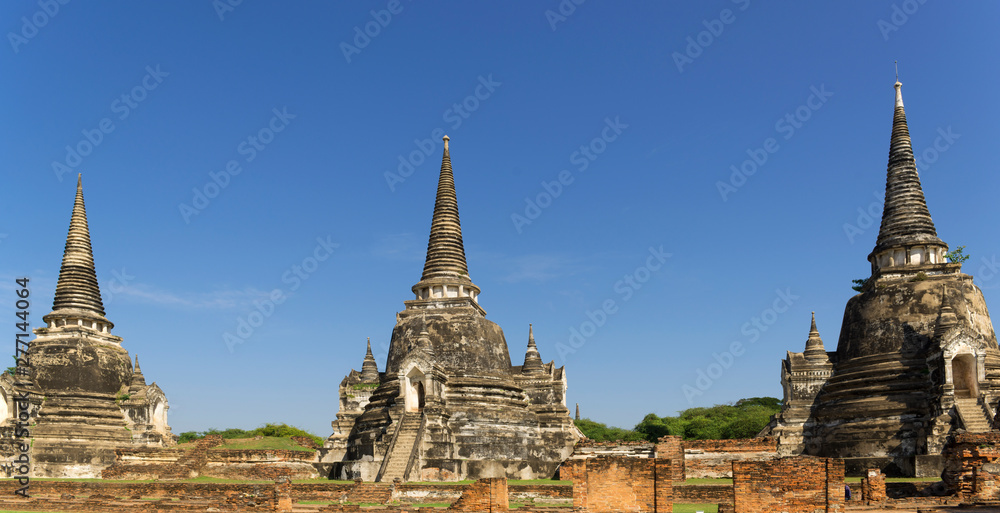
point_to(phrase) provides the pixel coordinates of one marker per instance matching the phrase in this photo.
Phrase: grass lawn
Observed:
(692, 508)
(266, 443)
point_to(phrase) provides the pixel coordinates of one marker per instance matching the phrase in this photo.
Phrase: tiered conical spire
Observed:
(814, 344)
(138, 380)
(445, 251)
(77, 291)
(906, 220)
(369, 369)
(532, 359)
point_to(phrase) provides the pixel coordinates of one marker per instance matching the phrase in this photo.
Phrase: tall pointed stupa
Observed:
(79, 368)
(450, 405)
(917, 357)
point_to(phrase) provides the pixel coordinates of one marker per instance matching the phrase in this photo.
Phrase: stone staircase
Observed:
(973, 414)
(402, 447)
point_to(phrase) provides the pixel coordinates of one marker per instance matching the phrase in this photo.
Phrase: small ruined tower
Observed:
(369, 368)
(802, 377)
(532, 360)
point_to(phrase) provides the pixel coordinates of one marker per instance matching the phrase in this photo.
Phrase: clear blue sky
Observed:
(198, 87)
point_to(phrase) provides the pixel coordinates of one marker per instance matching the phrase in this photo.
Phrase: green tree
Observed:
(602, 433)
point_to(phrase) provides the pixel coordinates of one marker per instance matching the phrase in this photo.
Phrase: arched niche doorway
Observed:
(964, 375)
(5, 409)
(159, 416)
(415, 390)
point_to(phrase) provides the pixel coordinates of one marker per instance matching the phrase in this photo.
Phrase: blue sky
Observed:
(639, 122)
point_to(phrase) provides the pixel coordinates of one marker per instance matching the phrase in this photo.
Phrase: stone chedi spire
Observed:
(532, 359)
(138, 380)
(369, 369)
(79, 367)
(814, 344)
(78, 296)
(446, 274)
(907, 237)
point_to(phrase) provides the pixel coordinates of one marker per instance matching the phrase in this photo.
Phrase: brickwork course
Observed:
(616, 483)
(873, 487)
(789, 485)
(713, 459)
(485, 495)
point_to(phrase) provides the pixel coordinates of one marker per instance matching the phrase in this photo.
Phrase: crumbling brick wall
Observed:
(873, 486)
(801, 484)
(713, 458)
(485, 495)
(972, 466)
(672, 448)
(616, 483)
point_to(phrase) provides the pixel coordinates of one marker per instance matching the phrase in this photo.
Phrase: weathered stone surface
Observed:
(450, 405)
(917, 357)
(80, 375)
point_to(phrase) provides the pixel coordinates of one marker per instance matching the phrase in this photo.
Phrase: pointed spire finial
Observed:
(532, 359)
(906, 221)
(577, 411)
(814, 344)
(446, 273)
(897, 70)
(77, 291)
(137, 369)
(369, 367)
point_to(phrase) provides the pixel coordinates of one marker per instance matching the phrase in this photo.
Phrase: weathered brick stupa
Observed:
(450, 405)
(91, 402)
(917, 357)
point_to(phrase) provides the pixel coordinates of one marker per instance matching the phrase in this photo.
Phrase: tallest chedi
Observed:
(917, 357)
(450, 405)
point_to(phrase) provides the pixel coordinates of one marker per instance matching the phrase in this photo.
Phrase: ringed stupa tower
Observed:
(450, 405)
(917, 357)
(83, 373)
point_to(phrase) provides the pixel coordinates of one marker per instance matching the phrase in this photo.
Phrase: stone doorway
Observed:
(963, 371)
(415, 394)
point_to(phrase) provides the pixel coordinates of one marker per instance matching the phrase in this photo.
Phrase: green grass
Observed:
(704, 481)
(692, 508)
(266, 443)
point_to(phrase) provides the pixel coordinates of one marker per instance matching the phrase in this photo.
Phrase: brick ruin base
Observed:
(873, 487)
(616, 483)
(801, 484)
(488, 494)
(713, 459)
(972, 466)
